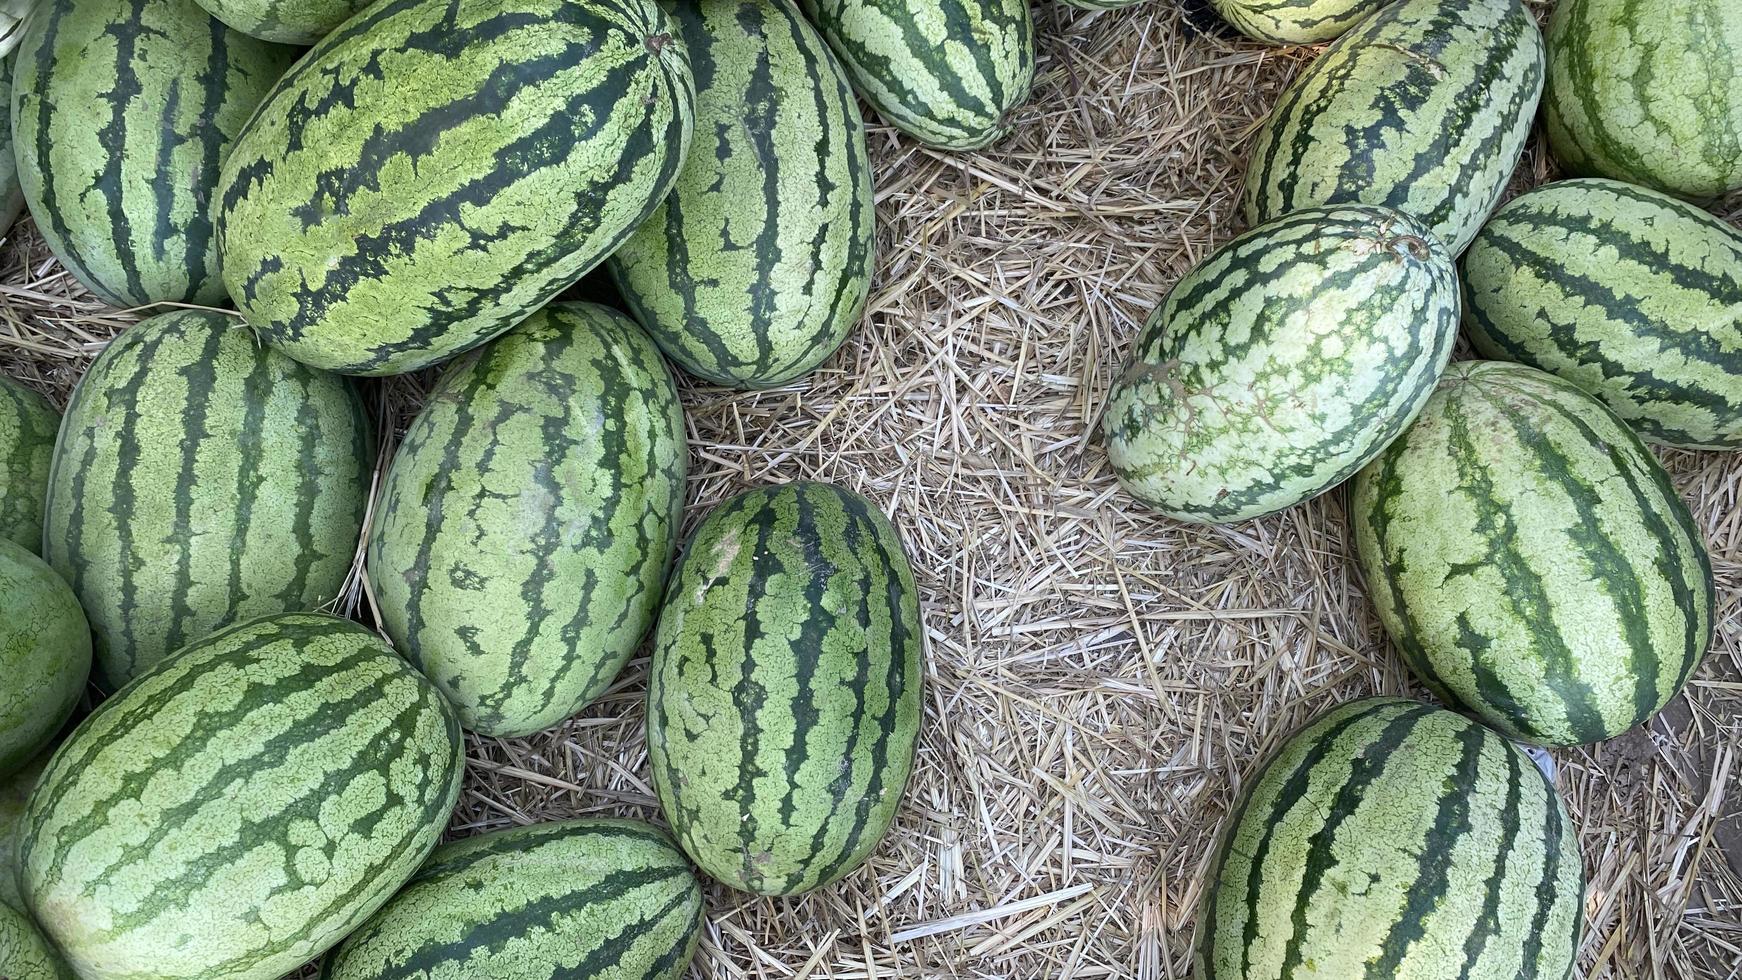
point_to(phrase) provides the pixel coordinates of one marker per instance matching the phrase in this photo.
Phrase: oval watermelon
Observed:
(24, 954)
(284, 21)
(1282, 364)
(28, 426)
(528, 521)
(1531, 559)
(783, 700)
(199, 480)
(756, 267)
(45, 655)
(242, 806)
(1393, 839)
(394, 203)
(1295, 21)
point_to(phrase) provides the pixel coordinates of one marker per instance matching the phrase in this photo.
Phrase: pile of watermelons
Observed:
(264, 784)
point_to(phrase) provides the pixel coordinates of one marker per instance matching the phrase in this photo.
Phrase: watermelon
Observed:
(949, 73)
(201, 479)
(284, 21)
(1626, 292)
(242, 806)
(14, 791)
(594, 899)
(1393, 839)
(1648, 93)
(122, 112)
(783, 700)
(1101, 4)
(756, 266)
(1283, 363)
(24, 954)
(45, 655)
(527, 523)
(11, 194)
(28, 425)
(394, 203)
(1530, 558)
(1423, 107)
(1295, 21)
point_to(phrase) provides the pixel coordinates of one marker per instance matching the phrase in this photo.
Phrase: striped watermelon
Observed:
(242, 806)
(24, 954)
(284, 21)
(393, 203)
(1295, 21)
(1394, 839)
(11, 194)
(949, 73)
(122, 112)
(14, 791)
(201, 479)
(527, 523)
(1649, 93)
(1530, 558)
(592, 899)
(28, 424)
(1282, 364)
(1101, 4)
(756, 267)
(1626, 292)
(45, 655)
(783, 701)
(1423, 107)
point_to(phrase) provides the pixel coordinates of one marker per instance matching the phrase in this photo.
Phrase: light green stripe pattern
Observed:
(28, 428)
(1295, 21)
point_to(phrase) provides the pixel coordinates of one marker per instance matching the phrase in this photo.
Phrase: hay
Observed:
(1100, 679)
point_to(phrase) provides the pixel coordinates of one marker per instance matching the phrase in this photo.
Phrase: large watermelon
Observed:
(122, 113)
(242, 806)
(1295, 21)
(201, 479)
(1391, 839)
(1649, 93)
(783, 701)
(14, 791)
(756, 266)
(1530, 558)
(950, 73)
(28, 425)
(285, 21)
(1282, 364)
(24, 954)
(588, 899)
(1423, 107)
(434, 171)
(45, 655)
(1628, 293)
(527, 523)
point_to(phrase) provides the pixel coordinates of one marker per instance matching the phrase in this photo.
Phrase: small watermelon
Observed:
(45, 655)
(284, 21)
(24, 954)
(14, 791)
(11, 194)
(28, 426)
(1295, 21)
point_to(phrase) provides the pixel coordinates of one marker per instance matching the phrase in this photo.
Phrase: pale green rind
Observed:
(1423, 107)
(28, 427)
(45, 655)
(14, 792)
(1531, 559)
(592, 899)
(1282, 364)
(284, 21)
(393, 204)
(1626, 292)
(242, 806)
(756, 266)
(949, 73)
(24, 954)
(1390, 839)
(1295, 21)
(1648, 91)
(527, 523)
(11, 194)
(201, 479)
(122, 113)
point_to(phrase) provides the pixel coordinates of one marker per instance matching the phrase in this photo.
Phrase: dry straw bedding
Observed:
(1100, 679)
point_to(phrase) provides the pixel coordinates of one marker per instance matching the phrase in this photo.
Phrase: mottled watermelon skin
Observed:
(258, 796)
(122, 113)
(783, 701)
(24, 954)
(1282, 364)
(1393, 839)
(393, 204)
(756, 266)
(1295, 21)
(45, 655)
(201, 479)
(594, 899)
(528, 520)
(284, 21)
(1531, 559)
(28, 426)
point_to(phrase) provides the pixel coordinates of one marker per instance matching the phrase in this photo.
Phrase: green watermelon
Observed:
(1423, 107)
(783, 700)
(592, 899)
(529, 518)
(24, 954)
(45, 655)
(284, 21)
(11, 194)
(122, 112)
(1392, 839)
(14, 791)
(201, 479)
(949, 73)
(394, 203)
(1295, 21)
(1628, 293)
(1649, 93)
(28, 425)
(242, 806)
(1101, 4)
(1282, 364)
(756, 267)
(1531, 559)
